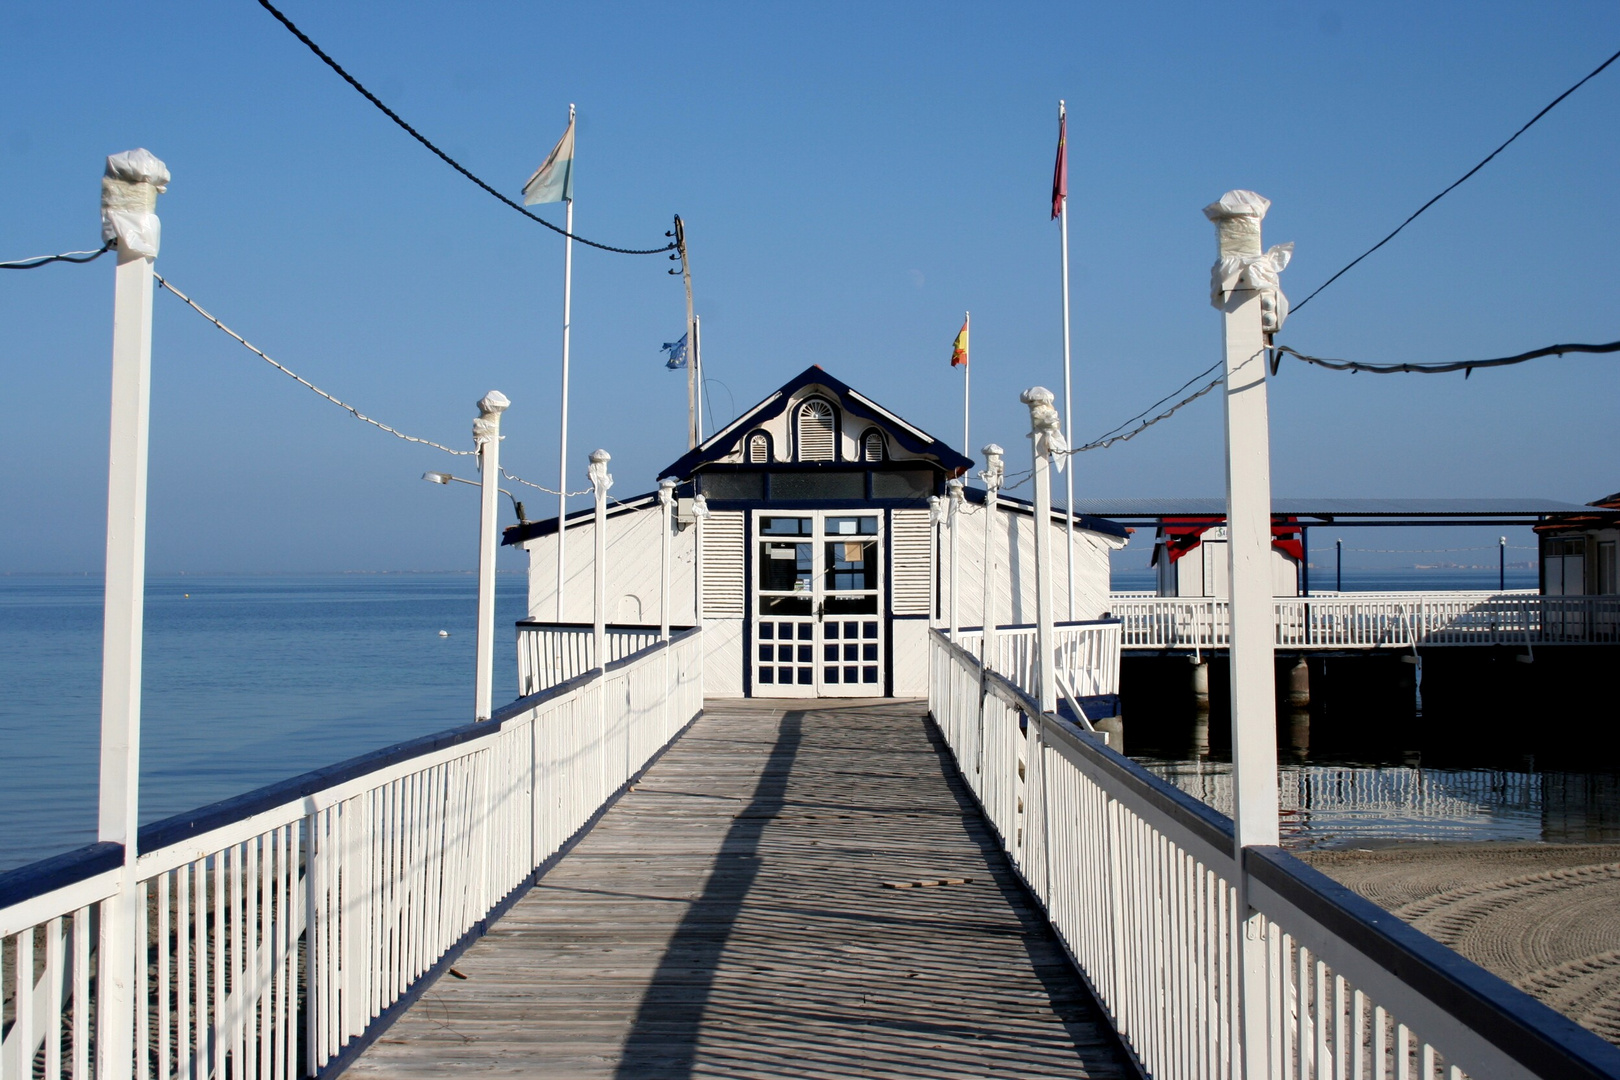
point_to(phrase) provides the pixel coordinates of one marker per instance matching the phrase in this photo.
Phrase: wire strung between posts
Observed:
(446, 158)
(66, 256)
(1465, 366)
(1549, 108)
(542, 487)
(356, 413)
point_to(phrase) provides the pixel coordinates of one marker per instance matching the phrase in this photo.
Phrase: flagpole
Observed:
(967, 378)
(1068, 385)
(697, 359)
(562, 454)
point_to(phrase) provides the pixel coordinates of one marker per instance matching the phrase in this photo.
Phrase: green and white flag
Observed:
(553, 181)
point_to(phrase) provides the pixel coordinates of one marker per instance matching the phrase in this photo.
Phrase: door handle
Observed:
(818, 611)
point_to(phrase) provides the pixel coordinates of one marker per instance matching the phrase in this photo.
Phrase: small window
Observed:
(816, 431)
(872, 446)
(759, 449)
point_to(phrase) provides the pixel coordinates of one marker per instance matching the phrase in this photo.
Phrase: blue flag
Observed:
(677, 353)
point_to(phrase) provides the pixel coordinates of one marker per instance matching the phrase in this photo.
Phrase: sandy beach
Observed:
(1544, 917)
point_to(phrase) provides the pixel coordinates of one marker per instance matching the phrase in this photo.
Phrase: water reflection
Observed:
(1347, 805)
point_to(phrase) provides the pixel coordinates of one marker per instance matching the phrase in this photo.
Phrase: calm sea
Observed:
(248, 680)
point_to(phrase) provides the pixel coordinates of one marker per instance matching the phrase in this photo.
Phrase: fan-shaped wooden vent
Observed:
(759, 450)
(815, 431)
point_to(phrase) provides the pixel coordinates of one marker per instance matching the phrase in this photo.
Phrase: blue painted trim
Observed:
(59, 871)
(1547, 1043)
(797, 505)
(1096, 707)
(780, 400)
(353, 1049)
(529, 530)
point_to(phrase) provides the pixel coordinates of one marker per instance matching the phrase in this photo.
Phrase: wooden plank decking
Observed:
(729, 917)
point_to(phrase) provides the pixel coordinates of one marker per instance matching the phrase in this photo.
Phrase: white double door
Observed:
(817, 604)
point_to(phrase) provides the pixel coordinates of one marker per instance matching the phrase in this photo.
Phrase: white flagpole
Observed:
(697, 359)
(562, 455)
(1068, 385)
(967, 378)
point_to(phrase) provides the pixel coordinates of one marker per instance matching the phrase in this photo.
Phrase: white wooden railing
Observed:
(1142, 885)
(1375, 620)
(282, 929)
(1087, 653)
(553, 653)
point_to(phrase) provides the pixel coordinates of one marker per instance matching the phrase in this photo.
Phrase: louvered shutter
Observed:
(912, 572)
(872, 446)
(816, 431)
(759, 450)
(723, 587)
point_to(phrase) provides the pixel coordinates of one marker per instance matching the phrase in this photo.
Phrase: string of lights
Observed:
(260, 353)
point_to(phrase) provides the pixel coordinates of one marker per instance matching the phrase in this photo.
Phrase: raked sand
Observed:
(1544, 917)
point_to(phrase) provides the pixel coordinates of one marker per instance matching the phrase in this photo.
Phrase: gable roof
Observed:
(908, 435)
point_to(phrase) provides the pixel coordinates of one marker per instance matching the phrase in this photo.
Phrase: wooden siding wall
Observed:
(1015, 601)
(633, 571)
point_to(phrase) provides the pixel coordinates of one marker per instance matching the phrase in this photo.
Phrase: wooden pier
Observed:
(798, 889)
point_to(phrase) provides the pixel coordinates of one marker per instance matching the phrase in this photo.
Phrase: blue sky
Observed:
(853, 177)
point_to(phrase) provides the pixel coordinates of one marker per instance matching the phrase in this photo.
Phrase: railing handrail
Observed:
(1522, 1027)
(1459, 1006)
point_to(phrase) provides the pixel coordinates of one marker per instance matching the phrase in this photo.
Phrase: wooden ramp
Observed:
(734, 915)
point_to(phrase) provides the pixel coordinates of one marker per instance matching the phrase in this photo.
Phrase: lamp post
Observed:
(446, 479)
(1046, 434)
(1501, 564)
(953, 490)
(1338, 565)
(601, 480)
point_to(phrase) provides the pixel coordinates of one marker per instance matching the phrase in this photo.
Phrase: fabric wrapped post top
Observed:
(129, 191)
(1241, 264)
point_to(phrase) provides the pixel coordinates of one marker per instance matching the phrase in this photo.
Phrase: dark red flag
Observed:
(1060, 171)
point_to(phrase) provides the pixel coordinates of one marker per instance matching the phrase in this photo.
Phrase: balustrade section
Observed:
(1144, 886)
(275, 932)
(1377, 620)
(552, 653)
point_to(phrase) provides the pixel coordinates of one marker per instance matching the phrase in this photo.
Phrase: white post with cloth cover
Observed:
(129, 191)
(487, 437)
(1244, 288)
(1048, 447)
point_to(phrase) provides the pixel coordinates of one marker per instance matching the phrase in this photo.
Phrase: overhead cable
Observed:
(446, 158)
(1549, 107)
(358, 415)
(66, 256)
(1465, 366)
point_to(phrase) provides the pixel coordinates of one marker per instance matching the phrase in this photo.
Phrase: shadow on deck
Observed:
(734, 915)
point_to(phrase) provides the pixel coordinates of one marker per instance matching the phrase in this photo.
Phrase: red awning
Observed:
(1180, 535)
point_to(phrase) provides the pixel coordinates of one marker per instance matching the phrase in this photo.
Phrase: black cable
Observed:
(1465, 366)
(1464, 176)
(446, 158)
(1105, 436)
(68, 256)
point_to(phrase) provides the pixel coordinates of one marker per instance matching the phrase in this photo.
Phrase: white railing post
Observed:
(992, 475)
(600, 482)
(666, 501)
(666, 526)
(700, 514)
(1046, 439)
(129, 192)
(953, 496)
(487, 437)
(1244, 289)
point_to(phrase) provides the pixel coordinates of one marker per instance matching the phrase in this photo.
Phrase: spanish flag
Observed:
(959, 349)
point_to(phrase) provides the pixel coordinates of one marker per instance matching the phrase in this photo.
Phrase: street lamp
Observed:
(446, 479)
